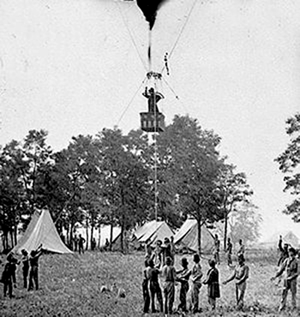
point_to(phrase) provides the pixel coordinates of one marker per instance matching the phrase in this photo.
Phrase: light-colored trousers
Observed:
(292, 286)
(195, 296)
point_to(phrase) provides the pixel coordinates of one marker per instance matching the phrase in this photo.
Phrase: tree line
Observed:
(112, 178)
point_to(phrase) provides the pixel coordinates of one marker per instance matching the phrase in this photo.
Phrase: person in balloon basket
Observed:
(34, 266)
(153, 98)
(212, 281)
(290, 269)
(196, 275)
(7, 276)
(240, 275)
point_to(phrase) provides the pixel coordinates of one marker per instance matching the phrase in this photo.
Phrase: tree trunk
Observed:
(12, 239)
(16, 233)
(99, 236)
(92, 232)
(226, 225)
(122, 235)
(87, 234)
(225, 230)
(6, 240)
(199, 235)
(111, 236)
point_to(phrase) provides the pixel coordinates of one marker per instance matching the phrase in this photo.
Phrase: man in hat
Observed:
(290, 268)
(240, 275)
(284, 252)
(34, 266)
(183, 278)
(153, 99)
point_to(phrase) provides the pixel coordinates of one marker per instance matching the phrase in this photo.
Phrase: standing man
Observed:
(153, 98)
(169, 276)
(240, 274)
(241, 250)
(75, 242)
(217, 249)
(290, 267)
(183, 279)
(196, 275)
(25, 261)
(284, 253)
(34, 266)
(229, 252)
(81, 241)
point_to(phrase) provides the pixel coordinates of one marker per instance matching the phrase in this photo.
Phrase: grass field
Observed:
(70, 286)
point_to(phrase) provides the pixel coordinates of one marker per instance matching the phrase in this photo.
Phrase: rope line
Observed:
(131, 36)
(180, 34)
(176, 96)
(155, 157)
(130, 102)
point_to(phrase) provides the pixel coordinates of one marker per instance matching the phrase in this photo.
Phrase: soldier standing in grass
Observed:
(212, 281)
(25, 261)
(183, 278)
(75, 243)
(241, 250)
(148, 252)
(81, 241)
(158, 254)
(7, 276)
(240, 274)
(290, 268)
(34, 267)
(145, 287)
(196, 275)
(169, 276)
(229, 252)
(284, 252)
(167, 251)
(154, 286)
(217, 249)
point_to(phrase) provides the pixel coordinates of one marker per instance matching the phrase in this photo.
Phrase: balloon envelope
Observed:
(150, 8)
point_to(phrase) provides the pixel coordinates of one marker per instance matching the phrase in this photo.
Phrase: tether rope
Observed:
(180, 33)
(131, 36)
(130, 102)
(176, 96)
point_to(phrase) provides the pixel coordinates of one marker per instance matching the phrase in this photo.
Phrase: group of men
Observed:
(160, 262)
(289, 268)
(228, 250)
(29, 270)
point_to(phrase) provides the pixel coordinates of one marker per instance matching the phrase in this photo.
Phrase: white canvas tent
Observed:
(153, 231)
(41, 230)
(287, 237)
(187, 237)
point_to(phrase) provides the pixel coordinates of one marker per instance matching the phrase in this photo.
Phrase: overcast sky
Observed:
(74, 67)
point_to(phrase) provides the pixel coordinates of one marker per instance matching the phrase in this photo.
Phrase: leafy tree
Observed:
(192, 163)
(234, 189)
(125, 179)
(244, 223)
(289, 162)
(12, 194)
(77, 180)
(37, 156)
